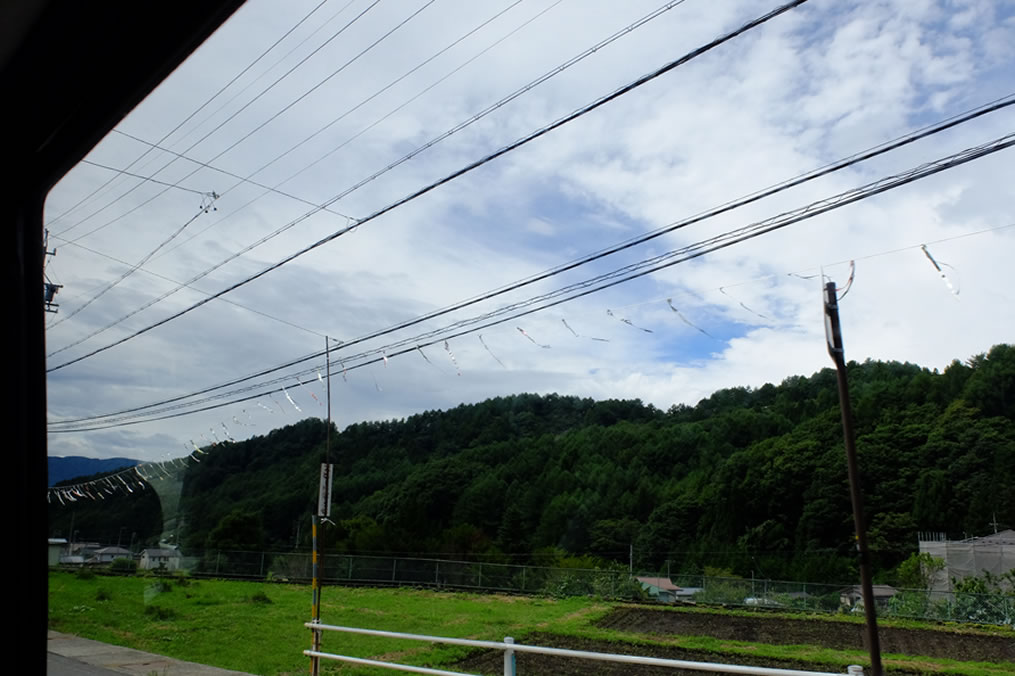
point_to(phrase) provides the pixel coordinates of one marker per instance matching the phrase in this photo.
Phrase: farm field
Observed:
(257, 627)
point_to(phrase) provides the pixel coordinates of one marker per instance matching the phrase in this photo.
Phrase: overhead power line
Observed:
(460, 126)
(456, 174)
(196, 290)
(275, 189)
(839, 165)
(224, 172)
(223, 123)
(195, 112)
(925, 132)
(601, 282)
(130, 270)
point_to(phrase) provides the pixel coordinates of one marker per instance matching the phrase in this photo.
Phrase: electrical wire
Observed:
(456, 174)
(226, 121)
(195, 289)
(560, 68)
(621, 275)
(924, 132)
(589, 51)
(225, 172)
(130, 270)
(381, 119)
(149, 179)
(195, 112)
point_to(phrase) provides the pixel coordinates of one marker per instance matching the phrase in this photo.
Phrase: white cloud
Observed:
(817, 84)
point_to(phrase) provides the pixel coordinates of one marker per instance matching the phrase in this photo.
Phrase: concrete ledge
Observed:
(118, 660)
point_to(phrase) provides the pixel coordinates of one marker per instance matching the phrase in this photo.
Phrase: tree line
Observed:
(751, 481)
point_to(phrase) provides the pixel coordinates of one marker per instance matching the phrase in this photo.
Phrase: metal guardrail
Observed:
(510, 648)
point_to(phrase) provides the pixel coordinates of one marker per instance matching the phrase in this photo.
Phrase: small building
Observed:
(994, 554)
(661, 589)
(110, 554)
(852, 597)
(686, 594)
(167, 559)
(57, 548)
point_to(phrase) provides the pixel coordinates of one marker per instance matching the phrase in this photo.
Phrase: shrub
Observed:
(85, 574)
(103, 595)
(260, 597)
(123, 565)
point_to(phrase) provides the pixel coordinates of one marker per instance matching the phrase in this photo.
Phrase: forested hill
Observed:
(748, 479)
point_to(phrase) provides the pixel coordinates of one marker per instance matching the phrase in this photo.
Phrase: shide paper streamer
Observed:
(722, 290)
(533, 340)
(578, 335)
(628, 322)
(286, 393)
(849, 282)
(487, 348)
(447, 348)
(937, 266)
(669, 301)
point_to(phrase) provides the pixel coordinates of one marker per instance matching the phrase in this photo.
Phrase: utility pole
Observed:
(833, 333)
(322, 513)
(49, 289)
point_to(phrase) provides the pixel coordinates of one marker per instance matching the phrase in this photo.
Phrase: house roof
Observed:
(161, 552)
(1005, 537)
(880, 590)
(112, 550)
(663, 583)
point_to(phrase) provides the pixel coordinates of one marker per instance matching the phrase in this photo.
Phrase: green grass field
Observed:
(258, 627)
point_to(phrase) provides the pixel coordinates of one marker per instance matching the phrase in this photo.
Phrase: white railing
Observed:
(510, 648)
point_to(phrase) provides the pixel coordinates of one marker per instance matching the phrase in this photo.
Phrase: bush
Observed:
(103, 595)
(260, 597)
(124, 565)
(85, 574)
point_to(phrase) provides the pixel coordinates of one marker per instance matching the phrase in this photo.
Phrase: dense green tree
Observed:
(748, 479)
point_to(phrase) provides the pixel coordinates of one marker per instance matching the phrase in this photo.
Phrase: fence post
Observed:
(262, 564)
(509, 658)
(480, 575)
(394, 566)
(218, 555)
(437, 574)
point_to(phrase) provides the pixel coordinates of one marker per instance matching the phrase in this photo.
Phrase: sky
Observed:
(291, 105)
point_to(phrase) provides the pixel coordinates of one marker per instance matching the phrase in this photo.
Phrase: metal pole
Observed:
(315, 606)
(315, 662)
(509, 658)
(833, 331)
(327, 357)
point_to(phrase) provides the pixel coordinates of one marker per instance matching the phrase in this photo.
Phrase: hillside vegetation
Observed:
(750, 480)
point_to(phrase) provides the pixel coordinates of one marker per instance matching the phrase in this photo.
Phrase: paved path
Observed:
(72, 656)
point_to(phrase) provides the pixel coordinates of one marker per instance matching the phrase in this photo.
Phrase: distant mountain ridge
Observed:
(73, 466)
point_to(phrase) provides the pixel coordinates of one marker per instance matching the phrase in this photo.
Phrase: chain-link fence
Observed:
(616, 583)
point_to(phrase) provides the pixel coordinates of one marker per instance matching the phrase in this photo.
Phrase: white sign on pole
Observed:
(324, 496)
